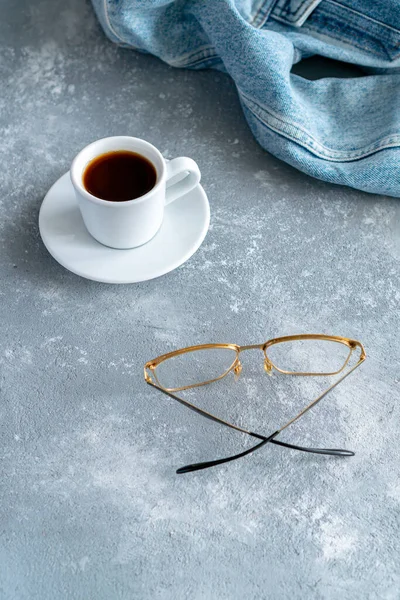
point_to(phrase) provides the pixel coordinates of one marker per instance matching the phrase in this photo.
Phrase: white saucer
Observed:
(65, 236)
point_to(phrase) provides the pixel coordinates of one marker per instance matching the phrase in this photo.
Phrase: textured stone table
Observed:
(91, 505)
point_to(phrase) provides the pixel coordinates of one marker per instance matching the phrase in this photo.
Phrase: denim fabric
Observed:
(345, 131)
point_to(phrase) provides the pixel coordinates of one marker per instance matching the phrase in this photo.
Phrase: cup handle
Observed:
(191, 172)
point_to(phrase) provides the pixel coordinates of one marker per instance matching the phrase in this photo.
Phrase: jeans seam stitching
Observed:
(354, 22)
(200, 60)
(299, 16)
(365, 48)
(108, 21)
(312, 144)
(295, 12)
(356, 13)
(261, 13)
(255, 17)
(281, 9)
(367, 17)
(206, 52)
(329, 34)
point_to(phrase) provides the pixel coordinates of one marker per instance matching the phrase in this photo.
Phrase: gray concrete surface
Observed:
(91, 507)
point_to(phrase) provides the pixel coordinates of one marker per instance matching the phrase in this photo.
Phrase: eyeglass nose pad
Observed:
(237, 370)
(267, 366)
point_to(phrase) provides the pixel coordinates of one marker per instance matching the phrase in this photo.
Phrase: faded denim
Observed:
(345, 131)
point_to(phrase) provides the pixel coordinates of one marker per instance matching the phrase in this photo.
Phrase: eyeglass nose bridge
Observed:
(252, 347)
(237, 368)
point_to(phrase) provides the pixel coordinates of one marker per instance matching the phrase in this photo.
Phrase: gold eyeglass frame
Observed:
(151, 378)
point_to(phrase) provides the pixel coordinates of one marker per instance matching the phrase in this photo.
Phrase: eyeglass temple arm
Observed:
(328, 451)
(220, 461)
(325, 393)
(264, 440)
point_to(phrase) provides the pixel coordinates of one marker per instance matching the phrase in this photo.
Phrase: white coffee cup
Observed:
(131, 223)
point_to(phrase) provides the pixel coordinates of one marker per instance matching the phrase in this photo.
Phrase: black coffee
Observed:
(119, 176)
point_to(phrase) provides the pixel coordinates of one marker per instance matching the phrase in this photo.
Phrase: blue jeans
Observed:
(345, 131)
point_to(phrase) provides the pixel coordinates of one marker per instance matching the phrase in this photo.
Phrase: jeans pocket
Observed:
(358, 23)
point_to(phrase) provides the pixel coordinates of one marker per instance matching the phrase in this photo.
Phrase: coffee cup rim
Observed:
(77, 178)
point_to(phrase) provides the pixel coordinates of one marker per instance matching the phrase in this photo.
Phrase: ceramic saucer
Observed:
(65, 236)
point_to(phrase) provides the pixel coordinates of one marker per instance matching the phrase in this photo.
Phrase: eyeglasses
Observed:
(309, 355)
